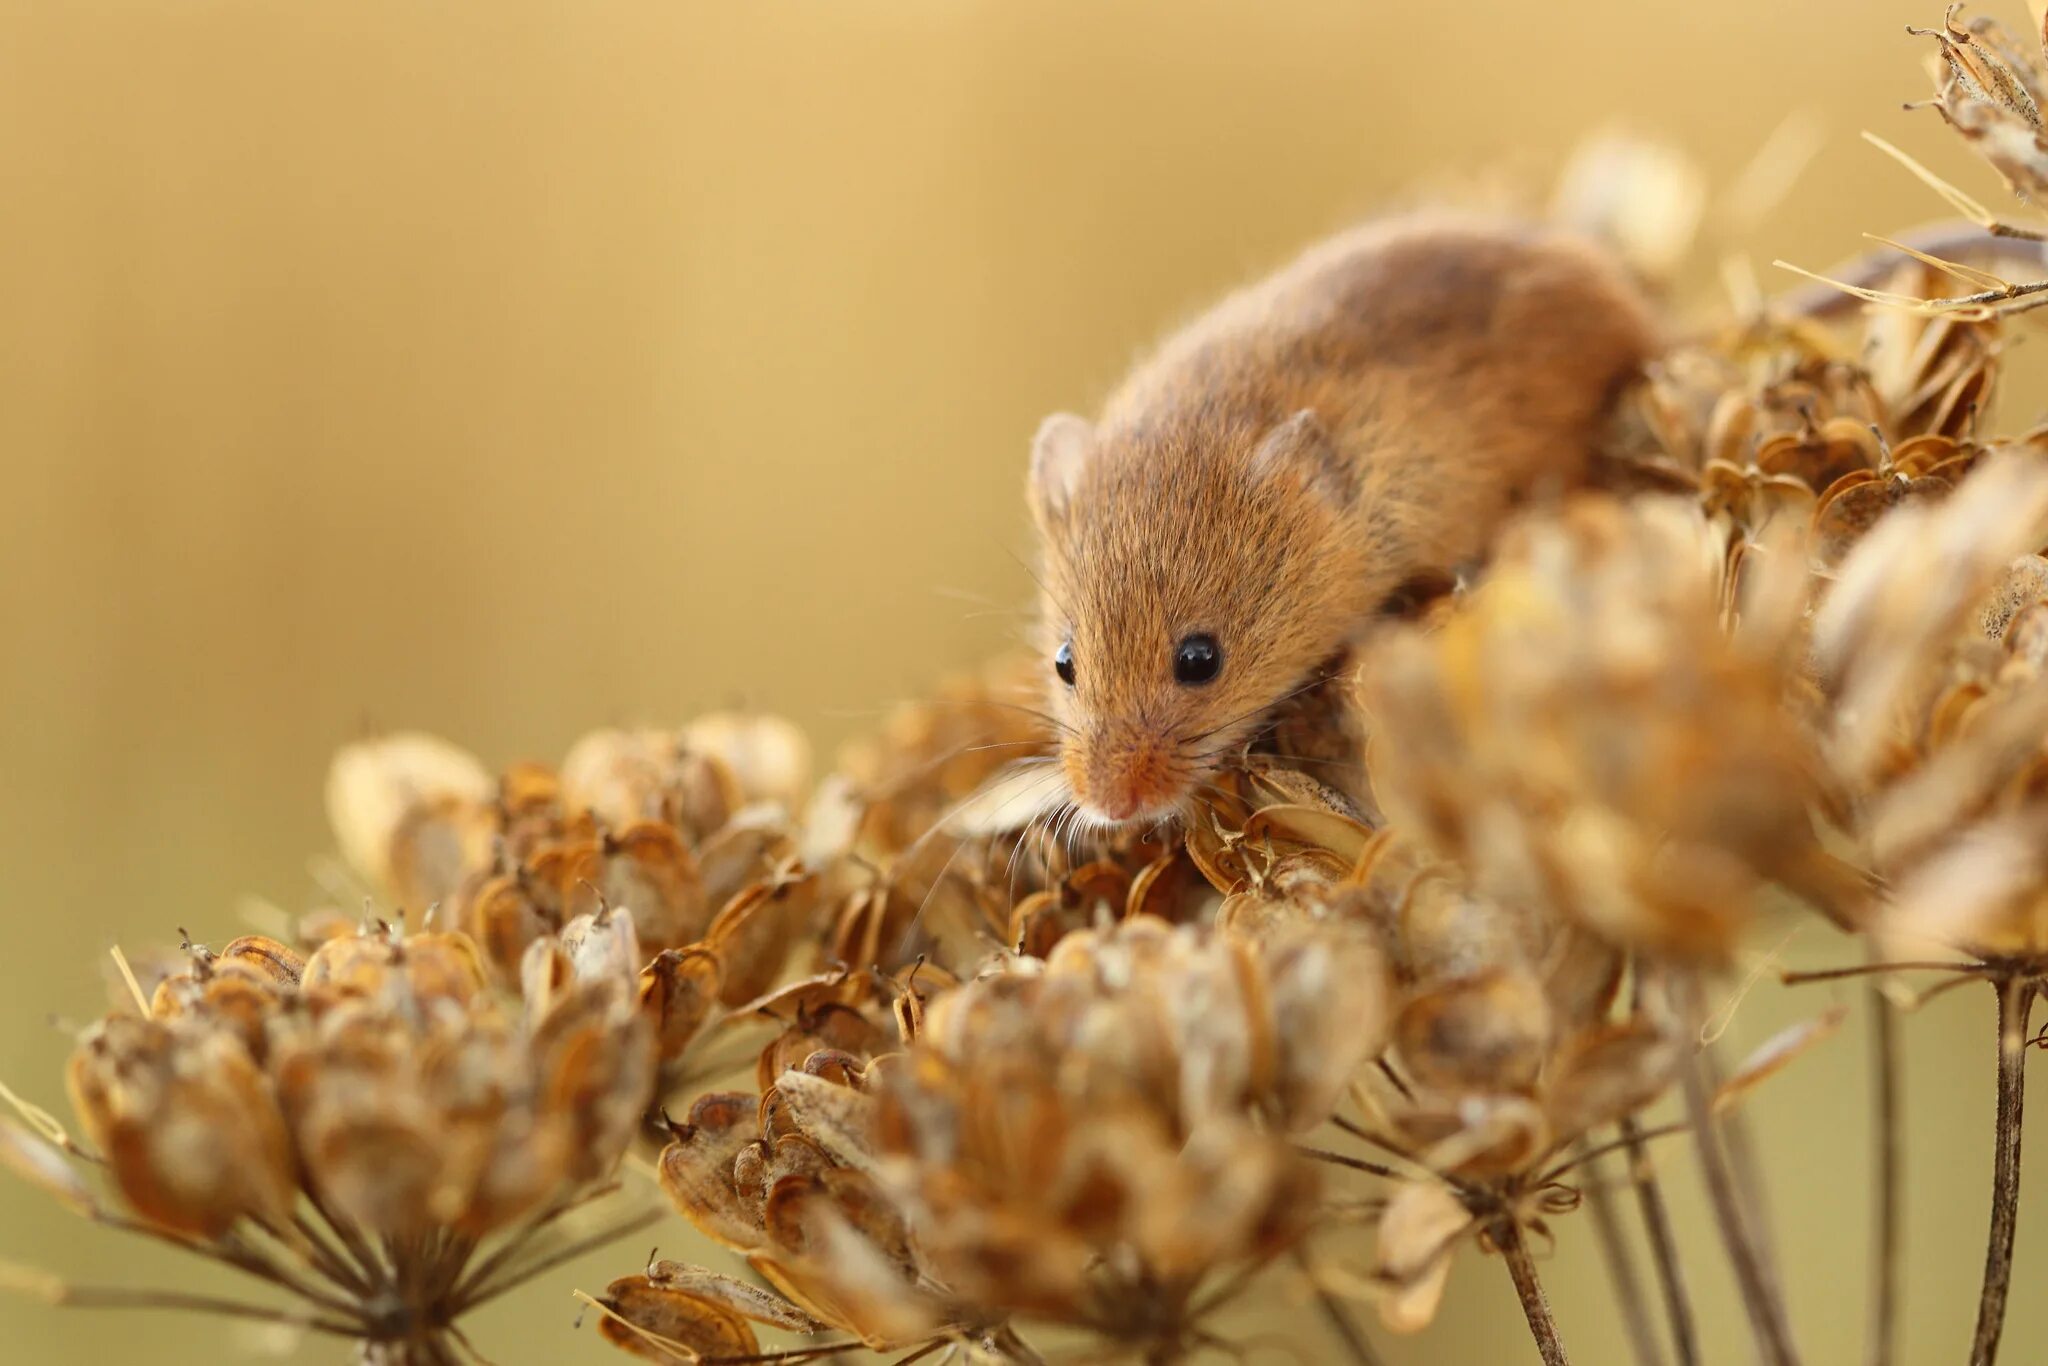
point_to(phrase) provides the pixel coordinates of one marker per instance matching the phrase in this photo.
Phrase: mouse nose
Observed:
(1129, 774)
(1118, 805)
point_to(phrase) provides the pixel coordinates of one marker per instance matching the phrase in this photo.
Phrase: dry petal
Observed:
(697, 1167)
(667, 1323)
(1417, 1234)
(737, 1295)
(408, 812)
(1776, 1053)
(40, 1163)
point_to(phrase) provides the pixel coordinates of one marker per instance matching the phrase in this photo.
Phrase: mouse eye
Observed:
(1063, 663)
(1197, 659)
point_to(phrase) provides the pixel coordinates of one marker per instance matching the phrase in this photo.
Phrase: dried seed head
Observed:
(1583, 737)
(380, 1092)
(187, 1123)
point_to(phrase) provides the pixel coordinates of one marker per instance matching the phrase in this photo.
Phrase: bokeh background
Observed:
(509, 368)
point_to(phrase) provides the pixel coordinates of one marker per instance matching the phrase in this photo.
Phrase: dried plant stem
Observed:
(1663, 1246)
(1752, 1273)
(111, 1297)
(2015, 1004)
(1341, 1325)
(429, 1350)
(1739, 1142)
(1887, 1159)
(1621, 1267)
(1507, 1236)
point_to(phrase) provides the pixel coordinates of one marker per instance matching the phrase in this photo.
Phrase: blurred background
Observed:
(509, 369)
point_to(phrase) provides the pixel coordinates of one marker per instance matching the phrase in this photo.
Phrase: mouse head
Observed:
(1192, 580)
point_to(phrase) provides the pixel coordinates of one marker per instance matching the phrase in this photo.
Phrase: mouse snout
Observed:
(1125, 772)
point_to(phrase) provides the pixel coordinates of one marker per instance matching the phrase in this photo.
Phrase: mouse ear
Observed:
(1300, 449)
(1059, 453)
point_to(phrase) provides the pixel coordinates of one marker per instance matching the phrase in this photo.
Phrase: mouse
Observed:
(1260, 487)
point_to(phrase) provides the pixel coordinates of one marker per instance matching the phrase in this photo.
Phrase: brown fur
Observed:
(1452, 366)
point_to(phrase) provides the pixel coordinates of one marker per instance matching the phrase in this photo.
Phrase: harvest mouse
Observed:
(1258, 488)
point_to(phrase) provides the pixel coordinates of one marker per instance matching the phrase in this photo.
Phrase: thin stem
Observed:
(1795, 979)
(98, 1297)
(476, 1291)
(2015, 1004)
(517, 1243)
(1507, 1236)
(1759, 1293)
(1340, 1160)
(1620, 1261)
(1740, 1144)
(332, 1259)
(1888, 1159)
(1346, 1331)
(231, 1251)
(1663, 1245)
(1634, 1137)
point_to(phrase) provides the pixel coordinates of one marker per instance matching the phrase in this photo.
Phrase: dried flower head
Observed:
(1928, 648)
(691, 834)
(1094, 1142)
(1097, 1141)
(1587, 741)
(1786, 420)
(1988, 87)
(373, 1129)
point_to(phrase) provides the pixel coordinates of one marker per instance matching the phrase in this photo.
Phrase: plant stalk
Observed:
(2015, 1005)
(1739, 1143)
(1621, 1267)
(1507, 1236)
(1759, 1291)
(1341, 1324)
(1663, 1246)
(1888, 1159)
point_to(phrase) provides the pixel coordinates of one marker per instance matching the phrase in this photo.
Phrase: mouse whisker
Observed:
(1061, 726)
(1011, 744)
(1344, 765)
(905, 858)
(1315, 681)
(1030, 790)
(1043, 823)
(1042, 585)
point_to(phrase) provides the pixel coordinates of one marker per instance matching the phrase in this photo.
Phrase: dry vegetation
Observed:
(1404, 979)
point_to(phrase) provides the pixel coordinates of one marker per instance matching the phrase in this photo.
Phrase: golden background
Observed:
(505, 369)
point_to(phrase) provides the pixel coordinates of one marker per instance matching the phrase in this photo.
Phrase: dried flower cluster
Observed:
(371, 1128)
(958, 1081)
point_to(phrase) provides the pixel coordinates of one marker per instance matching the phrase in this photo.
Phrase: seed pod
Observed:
(186, 1123)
